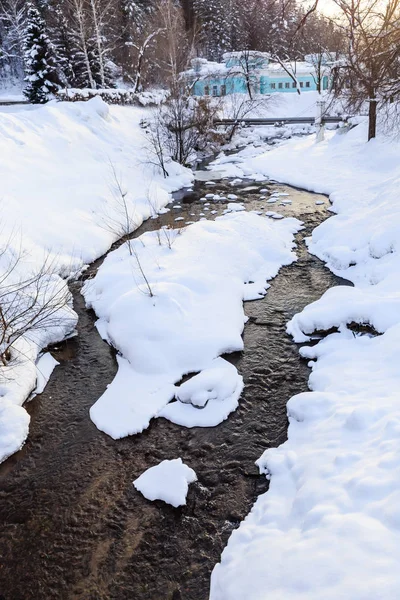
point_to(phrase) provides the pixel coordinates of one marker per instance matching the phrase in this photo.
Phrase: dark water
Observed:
(73, 526)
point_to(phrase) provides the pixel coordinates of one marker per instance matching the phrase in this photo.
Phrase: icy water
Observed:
(72, 525)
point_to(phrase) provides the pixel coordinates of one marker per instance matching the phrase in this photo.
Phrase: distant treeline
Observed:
(100, 43)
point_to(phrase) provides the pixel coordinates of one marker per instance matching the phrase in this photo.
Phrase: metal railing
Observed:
(281, 121)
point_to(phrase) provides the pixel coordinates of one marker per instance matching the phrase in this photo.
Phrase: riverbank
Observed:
(87, 531)
(62, 171)
(329, 525)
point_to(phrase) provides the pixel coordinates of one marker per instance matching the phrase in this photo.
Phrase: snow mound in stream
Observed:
(208, 398)
(194, 315)
(167, 481)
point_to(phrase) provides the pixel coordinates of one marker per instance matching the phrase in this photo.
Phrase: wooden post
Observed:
(319, 122)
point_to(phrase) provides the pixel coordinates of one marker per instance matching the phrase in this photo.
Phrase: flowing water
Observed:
(73, 526)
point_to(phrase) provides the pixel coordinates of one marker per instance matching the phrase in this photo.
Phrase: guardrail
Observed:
(12, 102)
(281, 121)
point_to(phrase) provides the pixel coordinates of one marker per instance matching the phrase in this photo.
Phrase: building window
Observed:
(273, 86)
(215, 90)
(307, 84)
(287, 85)
(301, 84)
(280, 85)
(223, 90)
(206, 90)
(293, 84)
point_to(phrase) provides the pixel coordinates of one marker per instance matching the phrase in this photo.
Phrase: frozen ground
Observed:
(329, 525)
(60, 170)
(172, 304)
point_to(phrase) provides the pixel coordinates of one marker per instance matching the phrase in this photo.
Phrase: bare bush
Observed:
(170, 235)
(123, 220)
(181, 127)
(29, 305)
(239, 106)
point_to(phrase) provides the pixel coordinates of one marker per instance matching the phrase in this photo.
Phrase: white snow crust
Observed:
(58, 191)
(168, 481)
(329, 525)
(194, 316)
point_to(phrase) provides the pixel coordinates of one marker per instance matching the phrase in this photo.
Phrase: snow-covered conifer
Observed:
(40, 64)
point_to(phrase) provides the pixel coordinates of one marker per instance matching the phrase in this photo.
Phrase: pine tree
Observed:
(40, 64)
(64, 45)
(222, 26)
(214, 27)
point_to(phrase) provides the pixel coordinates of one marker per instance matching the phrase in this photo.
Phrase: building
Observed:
(252, 72)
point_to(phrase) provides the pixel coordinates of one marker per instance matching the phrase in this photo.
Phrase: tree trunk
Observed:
(98, 43)
(80, 18)
(138, 71)
(372, 118)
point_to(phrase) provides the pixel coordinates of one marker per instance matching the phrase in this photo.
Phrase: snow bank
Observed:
(329, 526)
(58, 187)
(194, 315)
(59, 199)
(168, 481)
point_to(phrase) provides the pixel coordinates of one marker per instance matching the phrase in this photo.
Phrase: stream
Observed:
(72, 524)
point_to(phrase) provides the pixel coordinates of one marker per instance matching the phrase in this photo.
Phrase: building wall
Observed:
(280, 83)
(268, 84)
(220, 86)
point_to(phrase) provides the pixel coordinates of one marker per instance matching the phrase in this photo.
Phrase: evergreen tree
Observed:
(214, 38)
(68, 67)
(40, 64)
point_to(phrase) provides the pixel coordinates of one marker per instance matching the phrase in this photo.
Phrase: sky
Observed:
(326, 6)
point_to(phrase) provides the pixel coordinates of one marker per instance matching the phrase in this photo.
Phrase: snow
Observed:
(58, 194)
(216, 390)
(329, 525)
(194, 315)
(168, 481)
(120, 95)
(14, 427)
(44, 366)
(235, 207)
(277, 106)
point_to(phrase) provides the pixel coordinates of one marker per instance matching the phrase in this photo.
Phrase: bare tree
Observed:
(369, 72)
(175, 47)
(247, 65)
(101, 16)
(81, 25)
(12, 25)
(142, 49)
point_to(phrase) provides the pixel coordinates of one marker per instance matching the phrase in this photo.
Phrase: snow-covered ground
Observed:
(61, 165)
(172, 304)
(11, 91)
(277, 106)
(329, 526)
